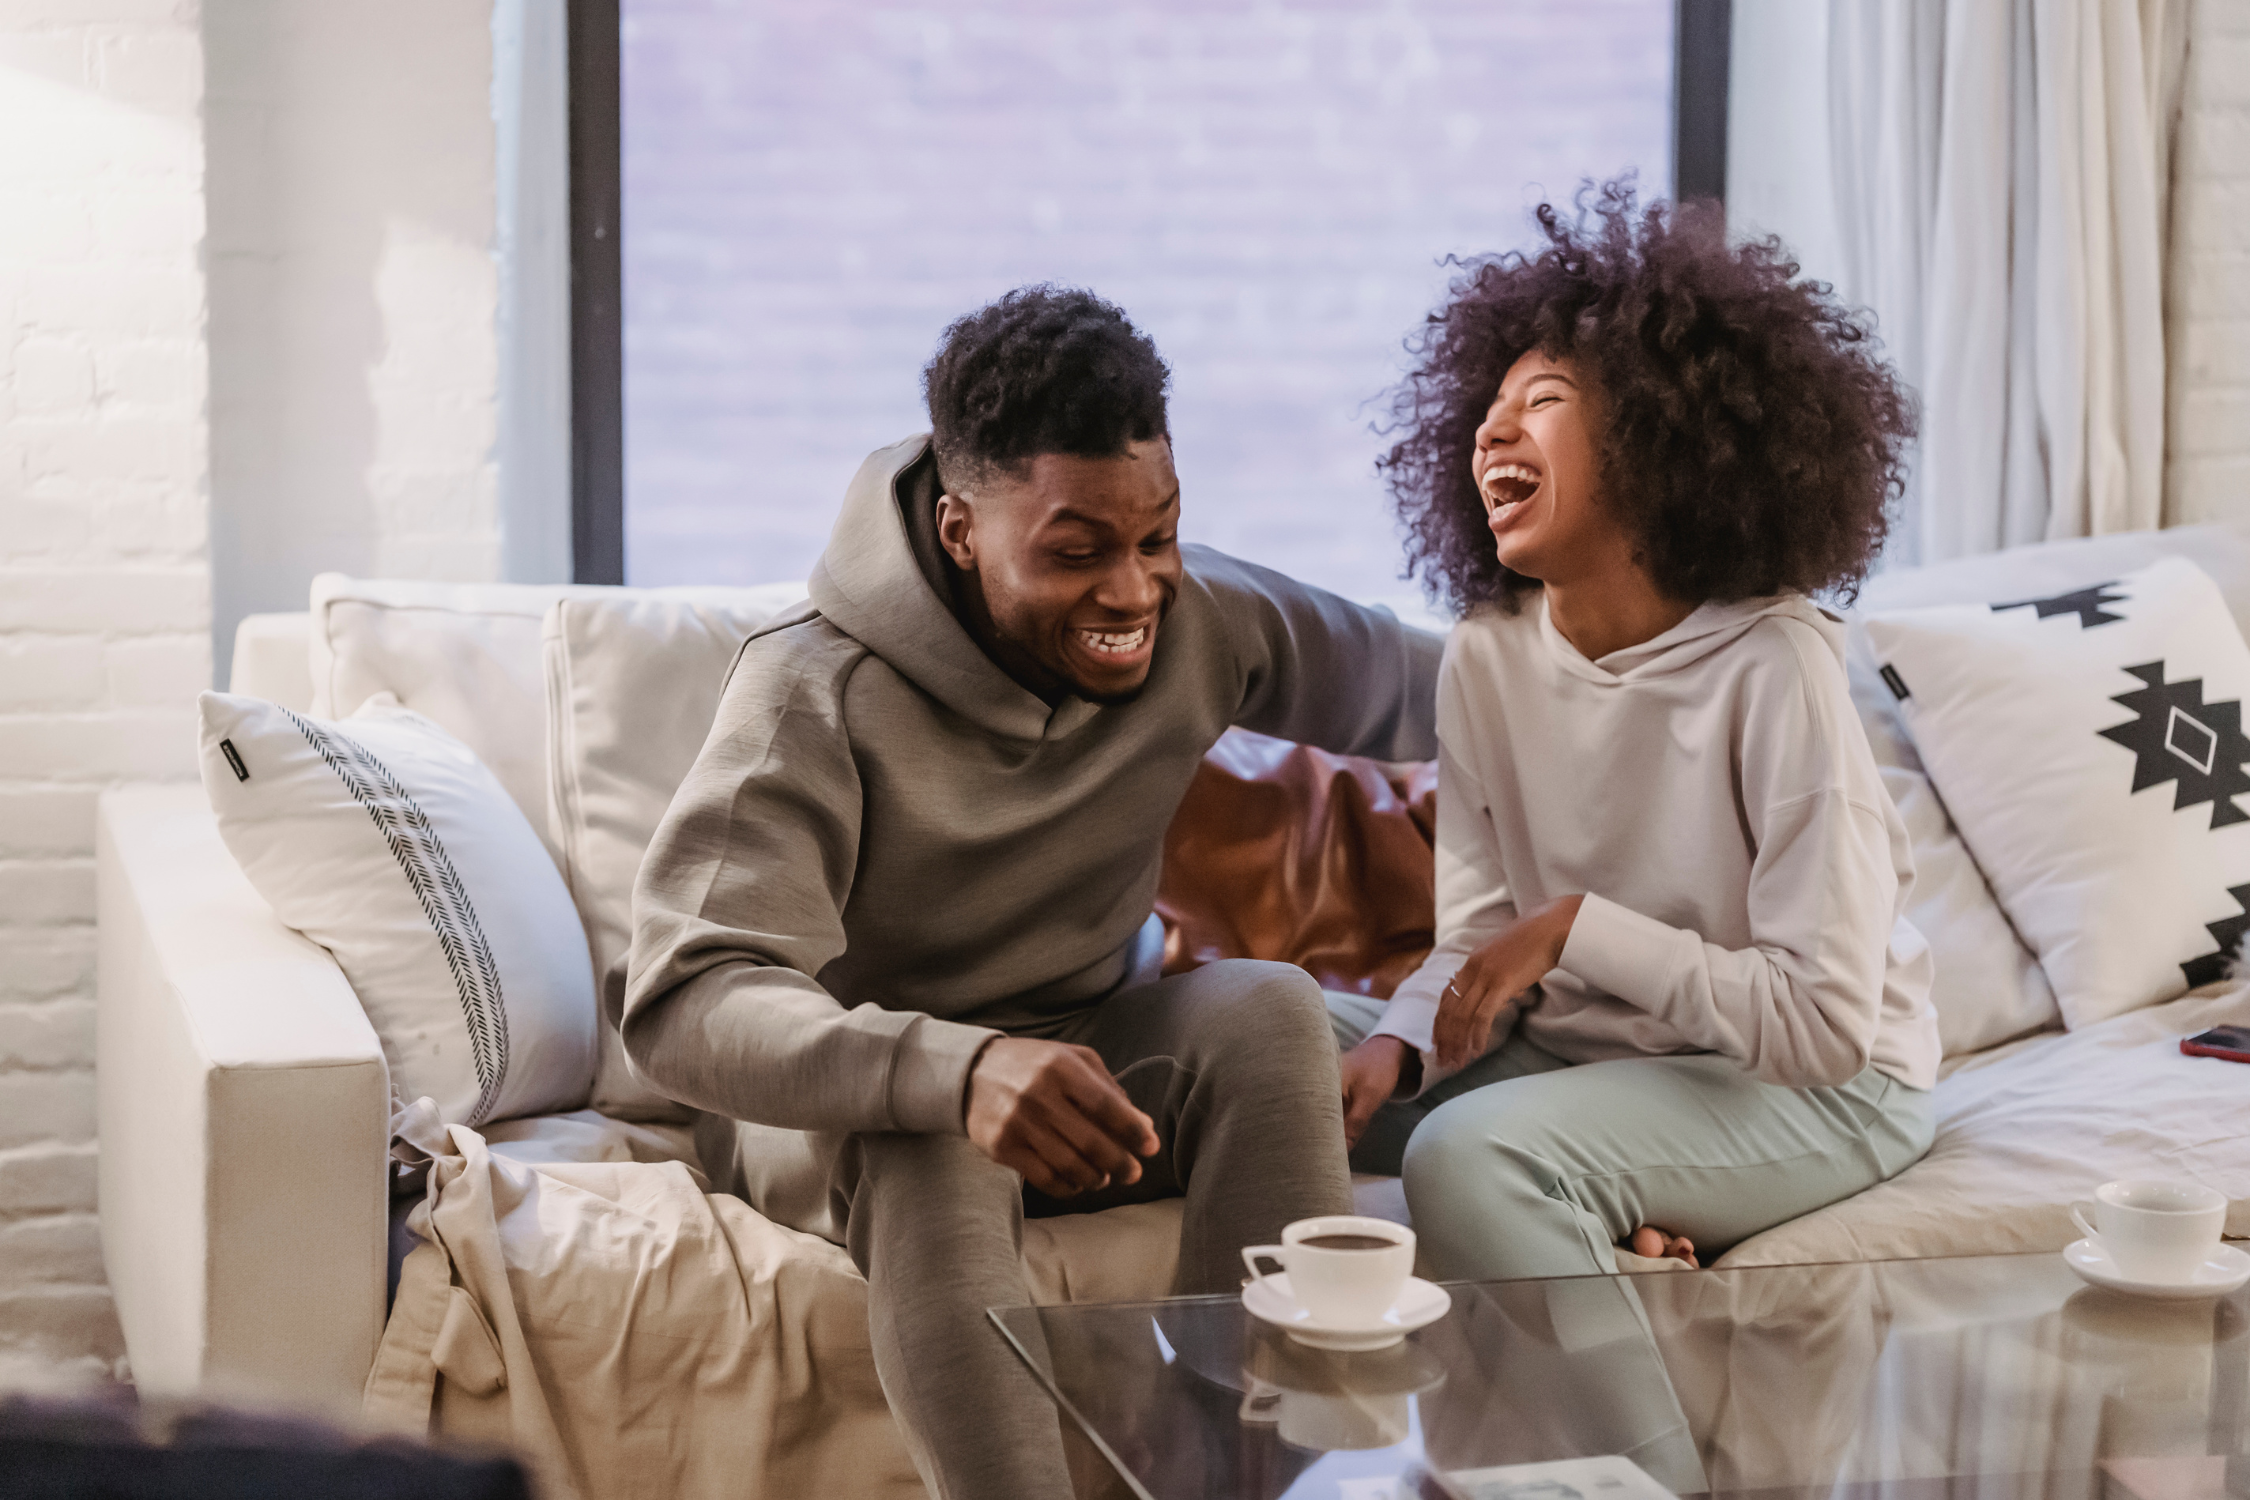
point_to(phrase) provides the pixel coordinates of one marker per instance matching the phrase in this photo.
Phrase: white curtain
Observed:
(2001, 173)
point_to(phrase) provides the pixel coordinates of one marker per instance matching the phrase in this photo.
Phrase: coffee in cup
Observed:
(2153, 1230)
(1342, 1268)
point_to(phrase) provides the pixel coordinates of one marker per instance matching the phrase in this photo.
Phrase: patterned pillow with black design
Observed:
(2090, 750)
(386, 841)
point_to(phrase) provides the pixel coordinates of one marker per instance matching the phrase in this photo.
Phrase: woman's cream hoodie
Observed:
(1711, 795)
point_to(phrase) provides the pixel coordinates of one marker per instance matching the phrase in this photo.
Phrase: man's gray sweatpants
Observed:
(1235, 1063)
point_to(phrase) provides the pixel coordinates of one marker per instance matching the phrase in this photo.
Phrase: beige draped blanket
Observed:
(628, 1334)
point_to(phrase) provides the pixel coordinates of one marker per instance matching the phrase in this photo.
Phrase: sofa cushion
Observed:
(2024, 1130)
(270, 660)
(384, 840)
(463, 655)
(2090, 749)
(1986, 986)
(468, 656)
(632, 684)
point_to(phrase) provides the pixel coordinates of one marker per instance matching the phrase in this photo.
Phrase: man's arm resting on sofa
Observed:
(244, 1119)
(1349, 678)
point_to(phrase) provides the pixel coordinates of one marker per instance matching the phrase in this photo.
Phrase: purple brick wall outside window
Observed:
(813, 190)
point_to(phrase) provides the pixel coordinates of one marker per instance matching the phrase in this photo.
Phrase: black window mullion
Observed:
(597, 350)
(1701, 33)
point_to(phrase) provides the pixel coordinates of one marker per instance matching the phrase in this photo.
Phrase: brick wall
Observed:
(2208, 453)
(104, 581)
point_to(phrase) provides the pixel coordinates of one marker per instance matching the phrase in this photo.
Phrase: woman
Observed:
(1663, 851)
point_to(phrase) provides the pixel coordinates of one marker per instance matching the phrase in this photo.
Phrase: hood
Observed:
(875, 584)
(1701, 633)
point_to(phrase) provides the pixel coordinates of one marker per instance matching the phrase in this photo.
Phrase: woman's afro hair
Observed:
(1046, 369)
(1748, 436)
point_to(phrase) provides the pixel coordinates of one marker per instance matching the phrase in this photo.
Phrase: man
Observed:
(900, 909)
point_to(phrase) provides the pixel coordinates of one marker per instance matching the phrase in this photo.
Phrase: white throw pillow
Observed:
(2089, 748)
(1988, 986)
(633, 682)
(386, 841)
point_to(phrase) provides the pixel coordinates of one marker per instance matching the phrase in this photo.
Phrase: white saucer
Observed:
(1418, 1306)
(2226, 1269)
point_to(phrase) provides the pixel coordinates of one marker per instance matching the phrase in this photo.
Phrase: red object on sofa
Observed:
(1285, 852)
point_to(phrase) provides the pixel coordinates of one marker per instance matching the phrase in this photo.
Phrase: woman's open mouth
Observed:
(1508, 484)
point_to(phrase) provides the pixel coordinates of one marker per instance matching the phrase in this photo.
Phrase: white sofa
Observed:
(245, 1105)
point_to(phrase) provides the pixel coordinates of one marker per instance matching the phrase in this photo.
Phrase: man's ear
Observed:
(956, 519)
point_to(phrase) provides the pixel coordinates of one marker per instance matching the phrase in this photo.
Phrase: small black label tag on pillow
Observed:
(241, 771)
(1895, 683)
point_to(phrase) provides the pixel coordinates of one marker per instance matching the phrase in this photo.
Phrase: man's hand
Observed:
(1052, 1112)
(1496, 974)
(1370, 1072)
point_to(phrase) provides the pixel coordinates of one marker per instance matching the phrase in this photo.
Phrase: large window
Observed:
(813, 190)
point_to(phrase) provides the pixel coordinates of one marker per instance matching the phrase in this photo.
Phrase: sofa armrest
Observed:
(244, 1122)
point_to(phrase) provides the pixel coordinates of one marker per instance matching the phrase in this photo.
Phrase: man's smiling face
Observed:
(1070, 565)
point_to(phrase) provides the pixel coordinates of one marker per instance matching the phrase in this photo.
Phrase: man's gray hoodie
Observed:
(889, 851)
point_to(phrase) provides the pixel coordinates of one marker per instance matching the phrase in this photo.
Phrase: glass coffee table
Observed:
(1989, 1377)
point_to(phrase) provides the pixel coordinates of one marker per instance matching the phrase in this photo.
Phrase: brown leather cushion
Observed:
(1285, 852)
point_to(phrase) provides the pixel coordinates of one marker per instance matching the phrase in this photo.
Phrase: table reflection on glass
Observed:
(1992, 1376)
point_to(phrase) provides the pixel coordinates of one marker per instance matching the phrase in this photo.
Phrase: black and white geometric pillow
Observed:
(2090, 750)
(385, 840)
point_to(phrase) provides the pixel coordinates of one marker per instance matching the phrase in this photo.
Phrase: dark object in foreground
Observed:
(111, 1448)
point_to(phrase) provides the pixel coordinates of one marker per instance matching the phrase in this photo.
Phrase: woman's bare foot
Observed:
(1658, 1244)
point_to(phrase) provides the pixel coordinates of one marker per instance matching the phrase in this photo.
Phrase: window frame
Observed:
(1701, 36)
(597, 328)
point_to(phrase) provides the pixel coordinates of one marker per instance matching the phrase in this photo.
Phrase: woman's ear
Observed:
(956, 526)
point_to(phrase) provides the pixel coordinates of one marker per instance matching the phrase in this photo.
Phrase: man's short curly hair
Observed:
(1749, 438)
(1046, 369)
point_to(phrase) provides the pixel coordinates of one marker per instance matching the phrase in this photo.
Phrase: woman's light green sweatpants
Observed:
(1525, 1165)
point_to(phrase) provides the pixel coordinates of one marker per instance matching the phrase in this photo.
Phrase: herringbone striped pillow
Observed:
(385, 840)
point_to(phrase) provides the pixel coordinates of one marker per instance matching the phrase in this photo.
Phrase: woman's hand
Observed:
(1370, 1072)
(1496, 974)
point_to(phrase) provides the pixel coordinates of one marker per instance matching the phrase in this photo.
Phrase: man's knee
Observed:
(1352, 1019)
(914, 1163)
(1266, 1012)
(929, 1190)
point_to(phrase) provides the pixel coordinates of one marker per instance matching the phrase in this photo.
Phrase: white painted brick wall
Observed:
(104, 579)
(2208, 455)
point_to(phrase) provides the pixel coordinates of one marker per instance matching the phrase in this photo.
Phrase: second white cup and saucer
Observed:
(2156, 1239)
(1346, 1282)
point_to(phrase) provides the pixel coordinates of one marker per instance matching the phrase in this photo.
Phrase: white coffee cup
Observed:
(1338, 1282)
(2153, 1230)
